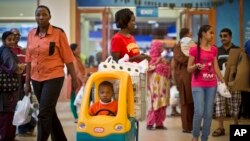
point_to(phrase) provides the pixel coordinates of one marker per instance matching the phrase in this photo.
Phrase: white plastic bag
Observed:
(133, 68)
(34, 106)
(108, 64)
(79, 96)
(223, 69)
(143, 65)
(23, 111)
(174, 96)
(223, 90)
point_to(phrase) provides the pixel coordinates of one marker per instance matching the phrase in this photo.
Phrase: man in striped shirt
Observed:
(234, 102)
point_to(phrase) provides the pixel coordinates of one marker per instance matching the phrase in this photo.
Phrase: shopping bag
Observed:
(223, 69)
(133, 68)
(34, 106)
(174, 96)
(223, 90)
(23, 111)
(8, 82)
(108, 64)
(79, 96)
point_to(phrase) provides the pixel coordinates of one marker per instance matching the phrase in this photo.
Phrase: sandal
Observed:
(76, 120)
(194, 139)
(219, 132)
(175, 114)
(161, 127)
(150, 127)
(186, 131)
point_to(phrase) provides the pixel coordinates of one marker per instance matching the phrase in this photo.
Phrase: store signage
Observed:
(143, 3)
(146, 11)
(246, 21)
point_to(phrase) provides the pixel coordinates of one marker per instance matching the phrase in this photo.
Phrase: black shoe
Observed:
(186, 131)
(161, 127)
(26, 135)
(150, 127)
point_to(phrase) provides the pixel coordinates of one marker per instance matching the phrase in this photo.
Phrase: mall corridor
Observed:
(172, 134)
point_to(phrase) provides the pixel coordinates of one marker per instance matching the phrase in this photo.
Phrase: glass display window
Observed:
(24, 28)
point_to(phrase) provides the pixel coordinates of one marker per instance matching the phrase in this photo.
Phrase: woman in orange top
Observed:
(47, 52)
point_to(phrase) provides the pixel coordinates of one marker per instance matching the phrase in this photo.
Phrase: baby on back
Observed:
(186, 42)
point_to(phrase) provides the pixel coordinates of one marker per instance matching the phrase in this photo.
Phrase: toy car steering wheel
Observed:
(110, 113)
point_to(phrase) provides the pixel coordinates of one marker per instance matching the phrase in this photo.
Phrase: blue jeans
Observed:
(203, 109)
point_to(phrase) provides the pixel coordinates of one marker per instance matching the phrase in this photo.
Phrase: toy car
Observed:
(123, 126)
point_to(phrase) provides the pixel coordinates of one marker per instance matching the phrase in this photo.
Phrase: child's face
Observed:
(105, 93)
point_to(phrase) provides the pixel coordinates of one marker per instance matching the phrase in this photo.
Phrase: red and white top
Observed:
(124, 45)
(207, 76)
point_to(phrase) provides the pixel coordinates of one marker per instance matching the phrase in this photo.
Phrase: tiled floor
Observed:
(172, 134)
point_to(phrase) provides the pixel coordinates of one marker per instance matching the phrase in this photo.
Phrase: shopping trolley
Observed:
(140, 92)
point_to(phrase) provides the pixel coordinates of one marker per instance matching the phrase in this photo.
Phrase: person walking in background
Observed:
(80, 75)
(28, 128)
(174, 97)
(158, 87)
(47, 52)
(203, 64)
(123, 42)
(17, 48)
(220, 101)
(21, 56)
(9, 63)
(183, 79)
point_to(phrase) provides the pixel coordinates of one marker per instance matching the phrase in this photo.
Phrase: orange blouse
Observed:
(48, 54)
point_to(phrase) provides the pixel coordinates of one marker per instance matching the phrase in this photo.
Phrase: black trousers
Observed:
(245, 108)
(47, 93)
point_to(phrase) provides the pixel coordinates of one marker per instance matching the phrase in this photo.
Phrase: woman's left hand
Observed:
(20, 68)
(145, 56)
(74, 84)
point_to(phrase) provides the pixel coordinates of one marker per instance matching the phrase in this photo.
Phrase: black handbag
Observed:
(8, 82)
